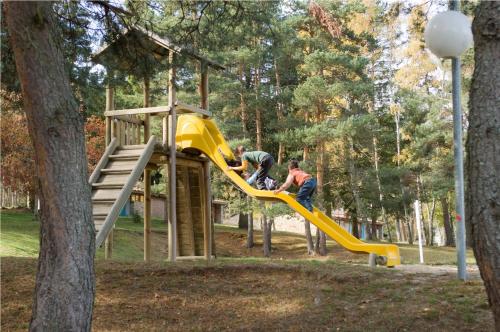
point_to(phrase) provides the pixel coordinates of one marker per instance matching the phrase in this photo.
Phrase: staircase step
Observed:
(104, 194)
(122, 152)
(103, 200)
(113, 178)
(121, 163)
(128, 156)
(108, 185)
(116, 170)
(101, 208)
(132, 147)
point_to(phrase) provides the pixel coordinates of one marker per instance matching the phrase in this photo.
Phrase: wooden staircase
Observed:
(113, 181)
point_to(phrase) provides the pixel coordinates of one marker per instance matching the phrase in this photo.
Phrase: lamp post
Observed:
(448, 35)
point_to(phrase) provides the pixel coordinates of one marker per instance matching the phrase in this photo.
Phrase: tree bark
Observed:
(65, 285)
(320, 176)
(424, 226)
(279, 112)
(355, 230)
(483, 151)
(431, 221)
(448, 226)
(309, 238)
(258, 112)
(250, 242)
(243, 221)
(243, 105)
(307, 224)
(399, 236)
(373, 232)
(354, 186)
(266, 235)
(409, 226)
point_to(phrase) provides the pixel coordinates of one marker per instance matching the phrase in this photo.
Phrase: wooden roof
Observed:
(140, 51)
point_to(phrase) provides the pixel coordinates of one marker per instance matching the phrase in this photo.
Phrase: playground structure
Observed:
(132, 151)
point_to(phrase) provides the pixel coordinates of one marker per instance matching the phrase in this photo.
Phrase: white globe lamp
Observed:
(448, 34)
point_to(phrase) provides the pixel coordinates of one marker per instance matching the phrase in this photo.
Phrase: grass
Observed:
(18, 234)
(19, 238)
(241, 290)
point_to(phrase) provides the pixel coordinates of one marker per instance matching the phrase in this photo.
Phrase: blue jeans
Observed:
(305, 193)
(263, 171)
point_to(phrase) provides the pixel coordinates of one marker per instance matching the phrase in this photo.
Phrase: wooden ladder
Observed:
(113, 180)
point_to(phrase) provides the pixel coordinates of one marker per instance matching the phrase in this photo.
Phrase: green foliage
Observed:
(332, 99)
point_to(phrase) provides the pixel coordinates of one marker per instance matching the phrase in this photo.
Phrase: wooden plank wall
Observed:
(191, 207)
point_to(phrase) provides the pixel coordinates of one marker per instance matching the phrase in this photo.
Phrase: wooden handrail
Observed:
(180, 108)
(125, 192)
(103, 161)
(142, 110)
(185, 108)
(124, 118)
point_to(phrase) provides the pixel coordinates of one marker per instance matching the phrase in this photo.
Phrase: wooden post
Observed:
(110, 105)
(108, 246)
(138, 135)
(108, 130)
(123, 128)
(207, 221)
(172, 225)
(147, 124)
(165, 130)
(204, 87)
(147, 180)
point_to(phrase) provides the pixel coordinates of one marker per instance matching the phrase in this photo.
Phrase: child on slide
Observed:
(306, 183)
(263, 160)
(270, 183)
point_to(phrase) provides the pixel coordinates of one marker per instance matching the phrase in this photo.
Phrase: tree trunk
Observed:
(309, 239)
(483, 151)
(320, 244)
(243, 105)
(448, 226)
(258, 112)
(249, 218)
(379, 186)
(424, 225)
(250, 242)
(373, 232)
(409, 226)
(65, 285)
(320, 176)
(266, 235)
(243, 221)
(397, 119)
(399, 236)
(355, 230)
(354, 185)
(431, 221)
(279, 112)
(306, 153)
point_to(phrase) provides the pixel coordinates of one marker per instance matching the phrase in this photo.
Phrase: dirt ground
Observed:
(277, 295)
(241, 290)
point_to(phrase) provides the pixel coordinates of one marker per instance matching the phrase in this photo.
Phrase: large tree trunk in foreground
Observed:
(483, 151)
(64, 293)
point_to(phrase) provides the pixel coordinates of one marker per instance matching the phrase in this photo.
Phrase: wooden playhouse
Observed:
(133, 152)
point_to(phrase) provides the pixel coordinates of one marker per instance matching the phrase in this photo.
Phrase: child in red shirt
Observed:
(301, 179)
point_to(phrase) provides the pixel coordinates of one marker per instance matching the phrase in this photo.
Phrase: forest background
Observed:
(347, 88)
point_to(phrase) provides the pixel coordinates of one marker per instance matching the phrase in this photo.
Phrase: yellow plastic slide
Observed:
(194, 132)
